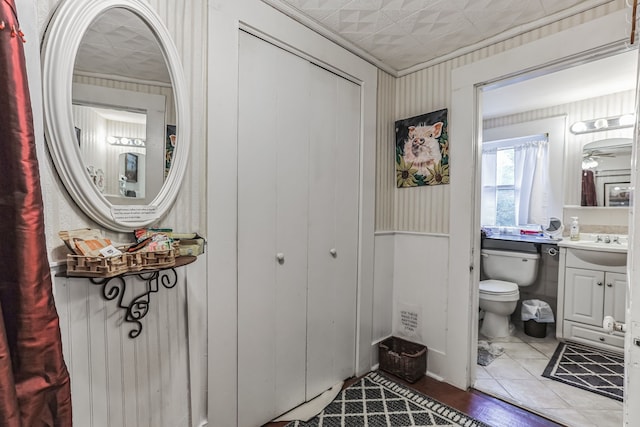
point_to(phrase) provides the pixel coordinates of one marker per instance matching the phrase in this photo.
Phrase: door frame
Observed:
(580, 43)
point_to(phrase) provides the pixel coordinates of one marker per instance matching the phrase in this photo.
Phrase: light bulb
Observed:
(627, 120)
(578, 127)
(601, 124)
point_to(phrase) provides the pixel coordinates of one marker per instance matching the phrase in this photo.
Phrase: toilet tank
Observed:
(517, 267)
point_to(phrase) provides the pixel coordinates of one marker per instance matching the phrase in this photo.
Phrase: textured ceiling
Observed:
(406, 33)
(396, 35)
(119, 43)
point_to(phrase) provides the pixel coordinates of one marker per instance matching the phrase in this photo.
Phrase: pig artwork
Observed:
(422, 150)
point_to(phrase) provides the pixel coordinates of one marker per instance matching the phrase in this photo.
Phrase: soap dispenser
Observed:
(574, 233)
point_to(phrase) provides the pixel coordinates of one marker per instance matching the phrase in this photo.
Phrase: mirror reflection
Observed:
(123, 108)
(606, 172)
(551, 104)
(113, 146)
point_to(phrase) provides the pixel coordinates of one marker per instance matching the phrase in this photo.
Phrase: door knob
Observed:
(333, 252)
(599, 283)
(280, 257)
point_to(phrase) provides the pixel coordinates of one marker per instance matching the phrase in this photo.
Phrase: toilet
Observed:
(506, 272)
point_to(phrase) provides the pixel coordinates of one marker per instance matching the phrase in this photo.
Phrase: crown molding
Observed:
(314, 25)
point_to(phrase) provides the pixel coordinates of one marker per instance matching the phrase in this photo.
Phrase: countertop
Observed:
(524, 238)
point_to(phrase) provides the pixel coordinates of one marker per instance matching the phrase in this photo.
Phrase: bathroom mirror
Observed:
(602, 86)
(116, 116)
(606, 172)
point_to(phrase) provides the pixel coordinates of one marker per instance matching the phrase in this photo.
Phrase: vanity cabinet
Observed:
(589, 291)
(590, 295)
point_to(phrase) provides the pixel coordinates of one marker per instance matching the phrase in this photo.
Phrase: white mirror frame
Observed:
(59, 48)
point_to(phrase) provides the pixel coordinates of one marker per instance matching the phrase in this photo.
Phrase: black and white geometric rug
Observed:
(588, 368)
(376, 401)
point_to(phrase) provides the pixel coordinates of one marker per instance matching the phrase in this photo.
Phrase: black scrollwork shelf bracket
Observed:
(115, 289)
(137, 307)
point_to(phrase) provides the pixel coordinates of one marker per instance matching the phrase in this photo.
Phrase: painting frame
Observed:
(78, 132)
(170, 146)
(131, 167)
(617, 194)
(422, 150)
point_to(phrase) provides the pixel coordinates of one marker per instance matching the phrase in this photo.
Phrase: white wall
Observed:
(421, 279)
(383, 287)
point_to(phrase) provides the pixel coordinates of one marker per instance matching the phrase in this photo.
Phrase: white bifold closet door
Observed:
(298, 181)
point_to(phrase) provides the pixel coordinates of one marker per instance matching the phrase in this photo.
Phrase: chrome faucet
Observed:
(616, 239)
(598, 238)
(607, 239)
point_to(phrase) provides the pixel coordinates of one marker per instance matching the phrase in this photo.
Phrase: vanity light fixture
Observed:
(607, 123)
(123, 140)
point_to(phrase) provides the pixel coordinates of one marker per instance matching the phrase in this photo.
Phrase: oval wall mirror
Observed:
(116, 116)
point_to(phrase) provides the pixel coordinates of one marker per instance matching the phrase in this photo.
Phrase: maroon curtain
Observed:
(588, 189)
(34, 382)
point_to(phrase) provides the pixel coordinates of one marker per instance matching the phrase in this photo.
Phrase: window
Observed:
(505, 188)
(514, 182)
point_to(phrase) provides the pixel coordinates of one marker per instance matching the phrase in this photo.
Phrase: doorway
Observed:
(547, 101)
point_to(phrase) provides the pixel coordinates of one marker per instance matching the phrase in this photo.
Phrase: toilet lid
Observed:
(497, 287)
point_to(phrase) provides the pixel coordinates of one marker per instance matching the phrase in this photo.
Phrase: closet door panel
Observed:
(291, 231)
(346, 223)
(256, 234)
(331, 301)
(271, 220)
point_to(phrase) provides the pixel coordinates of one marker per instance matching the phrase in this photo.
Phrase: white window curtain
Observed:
(531, 166)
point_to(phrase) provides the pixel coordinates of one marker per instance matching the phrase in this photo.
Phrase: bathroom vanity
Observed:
(592, 284)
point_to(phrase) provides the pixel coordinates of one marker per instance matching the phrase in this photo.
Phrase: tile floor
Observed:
(516, 377)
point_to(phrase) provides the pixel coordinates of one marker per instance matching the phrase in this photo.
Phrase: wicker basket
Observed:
(402, 358)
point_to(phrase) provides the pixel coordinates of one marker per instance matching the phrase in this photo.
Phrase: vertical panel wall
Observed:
(117, 381)
(426, 209)
(385, 158)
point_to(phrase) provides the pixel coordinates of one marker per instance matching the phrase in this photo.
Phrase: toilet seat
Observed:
(499, 290)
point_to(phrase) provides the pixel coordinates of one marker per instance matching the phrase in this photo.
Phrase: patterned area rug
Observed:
(588, 368)
(376, 401)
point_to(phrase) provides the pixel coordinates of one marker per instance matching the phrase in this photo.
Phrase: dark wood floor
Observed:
(480, 406)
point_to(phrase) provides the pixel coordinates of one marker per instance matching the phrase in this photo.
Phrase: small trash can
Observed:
(535, 315)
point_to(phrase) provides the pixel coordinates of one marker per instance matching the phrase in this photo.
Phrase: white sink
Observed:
(595, 251)
(590, 242)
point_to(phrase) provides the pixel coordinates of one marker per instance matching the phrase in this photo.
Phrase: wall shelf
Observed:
(115, 288)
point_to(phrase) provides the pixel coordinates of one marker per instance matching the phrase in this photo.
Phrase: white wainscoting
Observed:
(421, 279)
(117, 381)
(382, 290)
